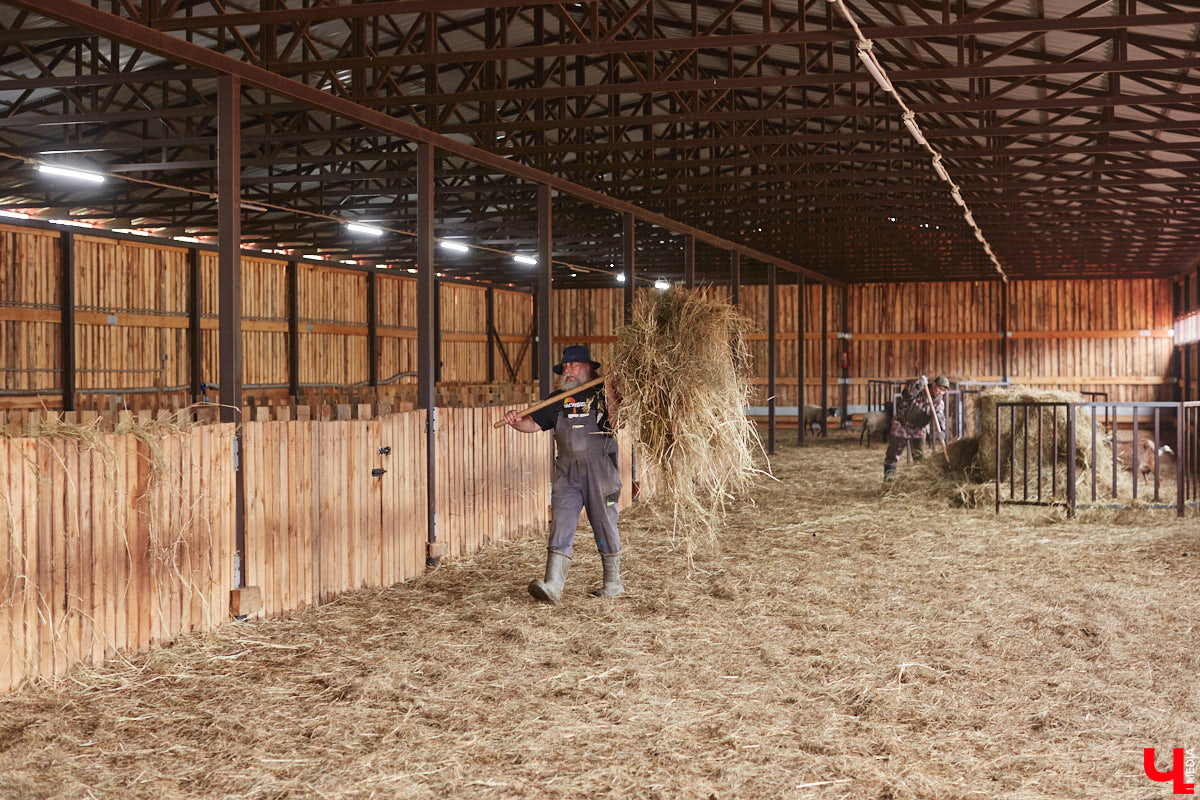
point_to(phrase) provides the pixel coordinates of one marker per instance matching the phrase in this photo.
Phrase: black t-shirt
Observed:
(581, 403)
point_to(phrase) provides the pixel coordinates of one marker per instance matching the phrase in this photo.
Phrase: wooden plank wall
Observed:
(117, 542)
(1189, 354)
(1099, 335)
(318, 521)
(493, 484)
(30, 299)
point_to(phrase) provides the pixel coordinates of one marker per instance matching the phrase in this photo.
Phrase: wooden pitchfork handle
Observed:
(553, 399)
(936, 427)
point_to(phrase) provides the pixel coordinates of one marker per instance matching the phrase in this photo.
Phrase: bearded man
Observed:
(586, 475)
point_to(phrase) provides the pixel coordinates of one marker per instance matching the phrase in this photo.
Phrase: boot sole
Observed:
(540, 592)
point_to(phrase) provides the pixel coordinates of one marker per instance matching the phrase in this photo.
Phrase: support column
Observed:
(66, 251)
(229, 235)
(293, 341)
(689, 262)
(801, 376)
(545, 287)
(489, 299)
(627, 250)
(772, 325)
(1004, 340)
(735, 277)
(373, 330)
(195, 338)
(426, 355)
(845, 344)
(229, 298)
(824, 358)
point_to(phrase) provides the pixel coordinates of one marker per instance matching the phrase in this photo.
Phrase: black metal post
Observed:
(689, 262)
(66, 252)
(1004, 331)
(845, 362)
(1070, 459)
(801, 291)
(628, 242)
(426, 339)
(772, 324)
(489, 298)
(373, 330)
(545, 290)
(293, 341)
(824, 358)
(195, 337)
(735, 278)
(229, 281)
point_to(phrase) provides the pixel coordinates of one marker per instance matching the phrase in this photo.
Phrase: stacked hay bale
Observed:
(970, 478)
(680, 369)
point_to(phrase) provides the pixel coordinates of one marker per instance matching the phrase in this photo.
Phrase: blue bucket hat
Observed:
(575, 353)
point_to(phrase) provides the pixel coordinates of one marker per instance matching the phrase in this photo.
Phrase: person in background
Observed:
(910, 424)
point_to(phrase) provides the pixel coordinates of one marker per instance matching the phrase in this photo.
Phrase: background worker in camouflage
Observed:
(910, 424)
(586, 475)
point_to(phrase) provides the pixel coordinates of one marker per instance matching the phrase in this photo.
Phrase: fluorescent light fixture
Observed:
(358, 227)
(574, 274)
(350, 261)
(661, 284)
(311, 257)
(15, 215)
(530, 260)
(71, 222)
(185, 238)
(910, 122)
(940, 170)
(868, 60)
(381, 266)
(457, 247)
(133, 231)
(67, 172)
(412, 270)
(620, 277)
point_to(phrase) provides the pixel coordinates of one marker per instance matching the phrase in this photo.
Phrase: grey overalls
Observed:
(585, 476)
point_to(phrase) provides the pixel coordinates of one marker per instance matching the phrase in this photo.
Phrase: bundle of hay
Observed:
(970, 477)
(680, 368)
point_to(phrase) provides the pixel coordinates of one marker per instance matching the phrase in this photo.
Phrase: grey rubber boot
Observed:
(889, 473)
(612, 577)
(550, 590)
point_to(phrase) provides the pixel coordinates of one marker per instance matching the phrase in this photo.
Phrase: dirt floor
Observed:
(839, 643)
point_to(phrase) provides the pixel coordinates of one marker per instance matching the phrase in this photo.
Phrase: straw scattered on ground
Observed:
(681, 364)
(833, 642)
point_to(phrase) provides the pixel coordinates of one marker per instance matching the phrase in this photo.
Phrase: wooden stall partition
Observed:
(587, 316)
(514, 349)
(493, 484)
(264, 324)
(30, 285)
(114, 543)
(333, 325)
(397, 329)
(131, 314)
(333, 506)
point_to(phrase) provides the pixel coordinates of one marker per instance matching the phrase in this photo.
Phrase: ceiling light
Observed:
(412, 270)
(67, 172)
(661, 284)
(531, 261)
(311, 257)
(15, 215)
(358, 227)
(381, 266)
(620, 277)
(457, 247)
(910, 122)
(73, 223)
(868, 60)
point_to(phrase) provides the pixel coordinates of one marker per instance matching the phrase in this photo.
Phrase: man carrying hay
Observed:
(586, 475)
(910, 425)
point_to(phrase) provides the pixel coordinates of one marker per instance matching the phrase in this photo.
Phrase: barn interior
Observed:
(269, 273)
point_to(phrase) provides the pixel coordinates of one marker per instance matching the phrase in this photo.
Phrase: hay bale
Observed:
(680, 368)
(1053, 426)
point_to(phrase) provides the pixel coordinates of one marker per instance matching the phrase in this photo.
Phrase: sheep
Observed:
(812, 415)
(874, 422)
(1145, 458)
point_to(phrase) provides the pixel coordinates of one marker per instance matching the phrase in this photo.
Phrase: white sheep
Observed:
(873, 422)
(813, 415)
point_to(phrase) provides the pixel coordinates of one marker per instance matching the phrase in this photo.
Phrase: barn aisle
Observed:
(835, 643)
